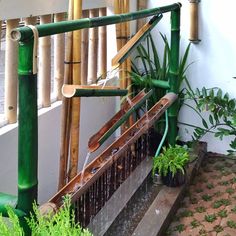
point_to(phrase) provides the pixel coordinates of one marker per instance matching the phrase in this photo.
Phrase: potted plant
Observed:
(170, 165)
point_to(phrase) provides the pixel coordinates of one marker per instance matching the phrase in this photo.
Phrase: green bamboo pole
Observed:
(25, 33)
(173, 74)
(28, 130)
(100, 92)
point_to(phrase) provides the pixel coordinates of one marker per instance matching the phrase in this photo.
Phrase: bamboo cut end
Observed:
(69, 90)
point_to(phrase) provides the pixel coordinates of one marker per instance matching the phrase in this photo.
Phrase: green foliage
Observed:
(210, 218)
(172, 159)
(62, 223)
(155, 66)
(10, 226)
(231, 224)
(221, 120)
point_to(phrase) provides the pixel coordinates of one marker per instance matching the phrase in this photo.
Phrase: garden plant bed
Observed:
(209, 206)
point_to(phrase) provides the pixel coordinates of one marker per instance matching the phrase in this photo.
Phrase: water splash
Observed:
(84, 166)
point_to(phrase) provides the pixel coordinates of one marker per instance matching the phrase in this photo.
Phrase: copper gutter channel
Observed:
(96, 140)
(99, 165)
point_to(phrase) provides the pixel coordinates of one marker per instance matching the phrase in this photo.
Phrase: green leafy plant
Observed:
(231, 224)
(61, 223)
(171, 160)
(221, 120)
(200, 209)
(223, 213)
(10, 226)
(210, 218)
(153, 68)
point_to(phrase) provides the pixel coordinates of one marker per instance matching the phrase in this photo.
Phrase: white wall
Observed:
(214, 57)
(95, 112)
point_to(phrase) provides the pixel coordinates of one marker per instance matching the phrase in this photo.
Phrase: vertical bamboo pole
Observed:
(102, 49)
(0, 33)
(193, 35)
(75, 121)
(84, 52)
(59, 54)
(142, 4)
(66, 107)
(28, 132)
(173, 74)
(11, 62)
(45, 65)
(93, 50)
(31, 20)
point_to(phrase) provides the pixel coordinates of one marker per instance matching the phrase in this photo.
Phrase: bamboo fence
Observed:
(11, 75)
(59, 54)
(45, 65)
(76, 78)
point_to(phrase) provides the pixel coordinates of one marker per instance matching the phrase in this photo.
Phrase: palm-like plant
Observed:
(153, 68)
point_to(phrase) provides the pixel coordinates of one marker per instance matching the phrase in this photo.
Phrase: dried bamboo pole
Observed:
(75, 120)
(0, 33)
(31, 20)
(93, 50)
(66, 108)
(84, 52)
(11, 63)
(45, 65)
(59, 54)
(142, 4)
(102, 48)
(193, 8)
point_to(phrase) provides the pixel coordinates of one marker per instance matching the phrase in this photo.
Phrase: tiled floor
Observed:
(209, 207)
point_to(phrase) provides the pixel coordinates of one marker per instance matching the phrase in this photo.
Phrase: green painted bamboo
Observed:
(161, 84)
(25, 33)
(124, 118)
(28, 131)
(173, 74)
(100, 92)
(9, 200)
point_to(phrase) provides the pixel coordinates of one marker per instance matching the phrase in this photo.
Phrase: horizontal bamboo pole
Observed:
(59, 50)
(24, 33)
(88, 92)
(69, 90)
(135, 41)
(11, 75)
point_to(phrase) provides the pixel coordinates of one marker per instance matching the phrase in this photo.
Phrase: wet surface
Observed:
(131, 215)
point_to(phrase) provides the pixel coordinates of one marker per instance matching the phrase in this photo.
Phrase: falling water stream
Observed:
(84, 166)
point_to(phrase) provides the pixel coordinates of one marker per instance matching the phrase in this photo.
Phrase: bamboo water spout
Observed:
(70, 91)
(101, 163)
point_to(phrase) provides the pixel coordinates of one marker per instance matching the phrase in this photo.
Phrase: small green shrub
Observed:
(10, 226)
(172, 159)
(210, 218)
(62, 223)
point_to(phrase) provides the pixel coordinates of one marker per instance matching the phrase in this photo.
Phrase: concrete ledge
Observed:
(157, 218)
